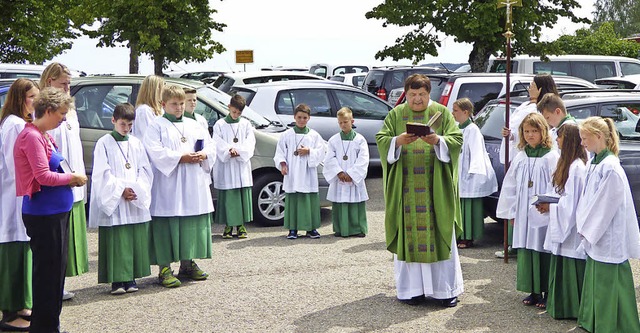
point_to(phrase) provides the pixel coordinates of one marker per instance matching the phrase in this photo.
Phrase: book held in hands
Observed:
(540, 199)
(421, 129)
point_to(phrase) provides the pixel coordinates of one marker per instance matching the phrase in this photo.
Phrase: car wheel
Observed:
(268, 200)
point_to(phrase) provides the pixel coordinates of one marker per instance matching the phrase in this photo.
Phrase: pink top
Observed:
(31, 155)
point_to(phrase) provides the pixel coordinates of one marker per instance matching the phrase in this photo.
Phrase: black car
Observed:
(380, 81)
(621, 106)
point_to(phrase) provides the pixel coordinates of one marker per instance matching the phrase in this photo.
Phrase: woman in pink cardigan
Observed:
(45, 181)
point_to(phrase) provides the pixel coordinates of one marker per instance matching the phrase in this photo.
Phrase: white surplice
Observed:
(233, 172)
(179, 189)
(606, 217)
(516, 196)
(515, 120)
(356, 166)
(303, 170)
(562, 236)
(144, 117)
(11, 226)
(476, 176)
(67, 137)
(110, 177)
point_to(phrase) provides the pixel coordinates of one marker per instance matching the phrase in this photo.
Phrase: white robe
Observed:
(606, 218)
(177, 188)
(516, 197)
(476, 176)
(110, 177)
(562, 236)
(515, 120)
(201, 120)
(355, 166)
(144, 117)
(11, 226)
(67, 137)
(233, 172)
(303, 170)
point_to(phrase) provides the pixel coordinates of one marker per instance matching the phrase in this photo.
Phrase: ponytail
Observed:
(613, 142)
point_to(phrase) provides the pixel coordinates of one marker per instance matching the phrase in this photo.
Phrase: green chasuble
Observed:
(421, 192)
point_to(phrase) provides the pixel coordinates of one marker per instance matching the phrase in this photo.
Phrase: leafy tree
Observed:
(479, 23)
(625, 14)
(167, 30)
(34, 31)
(603, 41)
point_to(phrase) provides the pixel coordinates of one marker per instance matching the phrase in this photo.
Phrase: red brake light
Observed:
(446, 92)
(400, 99)
(382, 93)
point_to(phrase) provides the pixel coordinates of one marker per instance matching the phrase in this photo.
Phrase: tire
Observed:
(268, 199)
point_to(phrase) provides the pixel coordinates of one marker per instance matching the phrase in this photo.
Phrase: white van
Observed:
(13, 71)
(588, 67)
(327, 71)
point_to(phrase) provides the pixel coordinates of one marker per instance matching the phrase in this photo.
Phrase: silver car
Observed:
(96, 97)
(277, 100)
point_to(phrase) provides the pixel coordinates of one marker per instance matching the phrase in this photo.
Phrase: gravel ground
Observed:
(267, 283)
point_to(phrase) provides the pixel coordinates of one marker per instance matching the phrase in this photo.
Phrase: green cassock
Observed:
(423, 205)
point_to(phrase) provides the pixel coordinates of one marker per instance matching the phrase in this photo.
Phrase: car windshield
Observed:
(256, 119)
(491, 120)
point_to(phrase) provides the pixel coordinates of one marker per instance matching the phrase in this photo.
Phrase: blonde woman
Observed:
(148, 104)
(67, 136)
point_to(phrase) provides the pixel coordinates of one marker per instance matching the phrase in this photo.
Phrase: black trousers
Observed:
(49, 245)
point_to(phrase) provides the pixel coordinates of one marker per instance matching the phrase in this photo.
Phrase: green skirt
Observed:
(78, 258)
(349, 218)
(532, 274)
(15, 289)
(472, 218)
(123, 253)
(302, 211)
(565, 286)
(178, 238)
(608, 301)
(234, 207)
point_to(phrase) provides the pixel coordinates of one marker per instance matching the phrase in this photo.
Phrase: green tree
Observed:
(34, 31)
(624, 13)
(603, 41)
(166, 30)
(479, 23)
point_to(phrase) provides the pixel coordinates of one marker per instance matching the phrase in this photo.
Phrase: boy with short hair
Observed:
(179, 150)
(190, 103)
(120, 199)
(345, 168)
(299, 152)
(554, 112)
(232, 172)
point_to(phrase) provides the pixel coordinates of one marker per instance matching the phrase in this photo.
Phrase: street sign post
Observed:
(244, 57)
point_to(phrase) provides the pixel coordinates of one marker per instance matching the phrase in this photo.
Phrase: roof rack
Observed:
(592, 90)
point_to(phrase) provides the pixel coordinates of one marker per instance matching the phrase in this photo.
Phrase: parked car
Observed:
(380, 81)
(588, 67)
(622, 82)
(483, 87)
(286, 68)
(622, 107)
(203, 76)
(278, 99)
(327, 71)
(96, 98)
(228, 80)
(354, 79)
(28, 71)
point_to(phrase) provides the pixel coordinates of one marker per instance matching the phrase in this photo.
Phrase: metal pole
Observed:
(507, 113)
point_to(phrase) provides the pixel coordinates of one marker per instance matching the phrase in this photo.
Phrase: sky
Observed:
(290, 33)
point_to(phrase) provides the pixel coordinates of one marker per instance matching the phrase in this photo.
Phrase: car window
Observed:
(357, 80)
(491, 120)
(95, 104)
(629, 68)
(437, 85)
(19, 75)
(582, 112)
(480, 92)
(338, 78)
(625, 117)
(591, 70)
(397, 79)
(500, 66)
(316, 99)
(318, 70)
(349, 69)
(552, 67)
(373, 81)
(207, 112)
(224, 83)
(362, 105)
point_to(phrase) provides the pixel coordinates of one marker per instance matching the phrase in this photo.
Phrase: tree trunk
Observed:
(479, 58)
(158, 62)
(134, 64)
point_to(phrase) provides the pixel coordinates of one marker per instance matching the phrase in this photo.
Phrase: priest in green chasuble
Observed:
(420, 179)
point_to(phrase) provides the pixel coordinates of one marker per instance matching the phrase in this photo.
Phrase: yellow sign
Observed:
(244, 57)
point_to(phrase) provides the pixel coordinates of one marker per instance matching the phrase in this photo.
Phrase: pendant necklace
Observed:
(530, 169)
(68, 126)
(345, 157)
(126, 157)
(235, 133)
(182, 138)
(300, 141)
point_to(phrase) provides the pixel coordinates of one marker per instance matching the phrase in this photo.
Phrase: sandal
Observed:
(542, 303)
(463, 244)
(532, 299)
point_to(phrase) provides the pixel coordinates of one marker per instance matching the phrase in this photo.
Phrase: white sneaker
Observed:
(500, 254)
(67, 295)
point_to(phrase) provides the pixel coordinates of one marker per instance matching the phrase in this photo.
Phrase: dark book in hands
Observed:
(421, 129)
(199, 145)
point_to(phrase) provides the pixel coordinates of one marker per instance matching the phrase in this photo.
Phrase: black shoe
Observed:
(117, 288)
(449, 302)
(361, 235)
(313, 234)
(4, 327)
(413, 300)
(293, 234)
(131, 286)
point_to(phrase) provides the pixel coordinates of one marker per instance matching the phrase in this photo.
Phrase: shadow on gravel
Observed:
(366, 247)
(277, 241)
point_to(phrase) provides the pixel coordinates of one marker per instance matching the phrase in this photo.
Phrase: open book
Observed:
(539, 199)
(420, 129)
